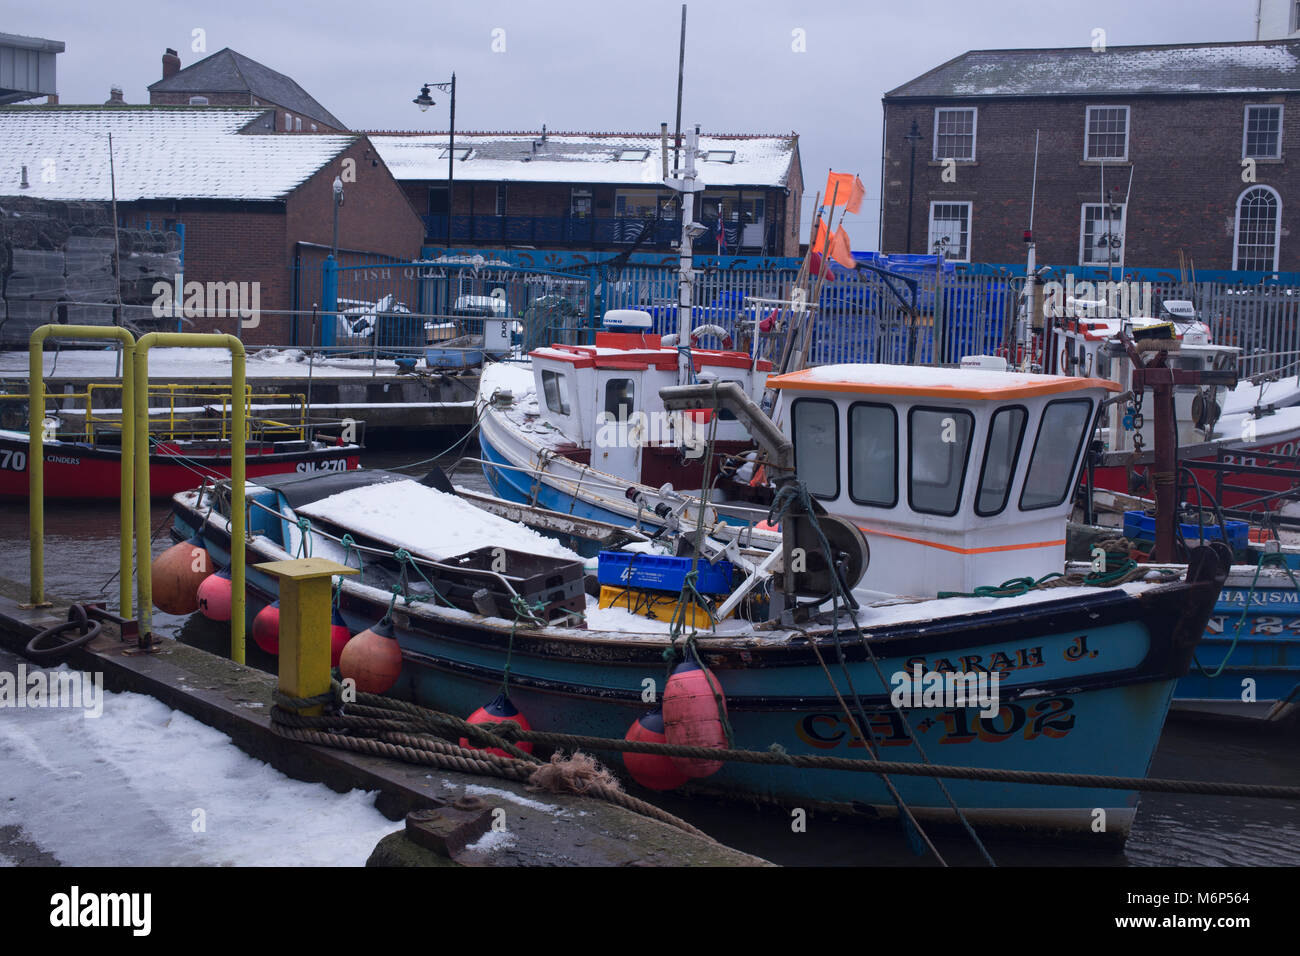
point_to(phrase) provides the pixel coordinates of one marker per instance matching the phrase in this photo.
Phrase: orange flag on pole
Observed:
(846, 190)
(840, 251)
(819, 240)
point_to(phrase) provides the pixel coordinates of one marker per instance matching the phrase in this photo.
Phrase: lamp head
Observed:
(424, 100)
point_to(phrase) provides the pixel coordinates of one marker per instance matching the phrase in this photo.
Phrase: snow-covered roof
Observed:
(724, 160)
(1271, 66)
(159, 152)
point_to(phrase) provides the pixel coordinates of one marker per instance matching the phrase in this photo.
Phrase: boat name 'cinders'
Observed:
(946, 689)
(72, 909)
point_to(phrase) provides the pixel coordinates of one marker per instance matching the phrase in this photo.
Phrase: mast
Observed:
(1026, 336)
(688, 187)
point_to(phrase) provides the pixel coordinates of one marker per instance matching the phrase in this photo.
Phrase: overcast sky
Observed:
(606, 64)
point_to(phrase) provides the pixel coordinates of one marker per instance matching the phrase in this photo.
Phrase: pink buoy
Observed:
(653, 771)
(266, 628)
(499, 709)
(694, 708)
(215, 596)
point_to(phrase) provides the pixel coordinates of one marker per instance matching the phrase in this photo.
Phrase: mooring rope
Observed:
(407, 733)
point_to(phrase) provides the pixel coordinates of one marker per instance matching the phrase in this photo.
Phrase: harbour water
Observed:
(81, 563)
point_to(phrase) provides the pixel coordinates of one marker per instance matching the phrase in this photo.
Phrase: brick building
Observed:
(548, 190)
(246, 201)
(227, 78)
(1143, 153)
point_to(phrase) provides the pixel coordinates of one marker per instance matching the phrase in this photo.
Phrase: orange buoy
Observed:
(501, 708)
(339, 637)
(654, 771)
(215, 595)
(266, 628)
(373, 659)
(694, 706)
(177, 574)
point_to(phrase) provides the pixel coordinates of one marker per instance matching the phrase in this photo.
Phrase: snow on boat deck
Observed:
(426, 521)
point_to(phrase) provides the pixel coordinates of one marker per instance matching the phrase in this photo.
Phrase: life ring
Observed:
(714, 330)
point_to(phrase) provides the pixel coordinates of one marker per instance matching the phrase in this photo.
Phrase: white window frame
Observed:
(1083, 223)
(974, 133)
(970, 230)
(1295, 16)
(1277, 225)
(1087, 125)
(1245, 127)
(462, 153)
(632, 155)
(720, 156)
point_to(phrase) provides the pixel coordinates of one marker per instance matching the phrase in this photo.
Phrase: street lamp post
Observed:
(913, 137)
(338, 201)
(424, 101)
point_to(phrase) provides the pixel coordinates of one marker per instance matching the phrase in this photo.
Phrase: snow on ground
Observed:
(426, 521)
(193, 363)
(123, 790)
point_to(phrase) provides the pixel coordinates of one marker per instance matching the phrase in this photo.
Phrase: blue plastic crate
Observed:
(659, 572)
(1140, 526)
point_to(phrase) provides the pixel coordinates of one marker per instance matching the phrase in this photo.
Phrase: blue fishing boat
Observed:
(921, 485)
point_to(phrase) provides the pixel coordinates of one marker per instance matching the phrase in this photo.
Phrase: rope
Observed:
(407, 734)
(304, 538)
(385, 714)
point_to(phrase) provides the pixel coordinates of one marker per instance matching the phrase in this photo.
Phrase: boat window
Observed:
(1056, 452)
(619, 396)
(816, 431)
(1006, 429)
(873, 454)
(557, 392)
(938, 447)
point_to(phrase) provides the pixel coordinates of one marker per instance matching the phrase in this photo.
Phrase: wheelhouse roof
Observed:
(636, 359)
(923, 382)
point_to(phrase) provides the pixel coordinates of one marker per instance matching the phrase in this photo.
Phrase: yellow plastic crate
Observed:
(655, 605)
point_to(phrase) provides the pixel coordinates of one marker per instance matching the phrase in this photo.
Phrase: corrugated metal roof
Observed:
(159, 152)
(1255, 67)
(229, 72)
(758, 160)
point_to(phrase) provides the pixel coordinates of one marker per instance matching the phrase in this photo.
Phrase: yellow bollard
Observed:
(305, 605)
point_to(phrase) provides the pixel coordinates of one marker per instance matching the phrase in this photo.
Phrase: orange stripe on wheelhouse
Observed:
(957, 550)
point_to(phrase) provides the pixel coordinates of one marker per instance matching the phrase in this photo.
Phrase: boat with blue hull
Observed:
(1077, 678)
(1248, 664)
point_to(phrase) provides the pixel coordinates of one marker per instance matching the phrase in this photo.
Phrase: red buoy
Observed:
(177, 574)
(215, 596)
(373, 659)
(501, 708)
(693, 715)
(339, 637)
(654, 771)
(266, 628)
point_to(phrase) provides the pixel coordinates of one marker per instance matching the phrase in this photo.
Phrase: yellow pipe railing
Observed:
(36, 457)
(237, 475)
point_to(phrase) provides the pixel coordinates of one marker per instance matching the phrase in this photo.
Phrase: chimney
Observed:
(171, 63)
(115, 97)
